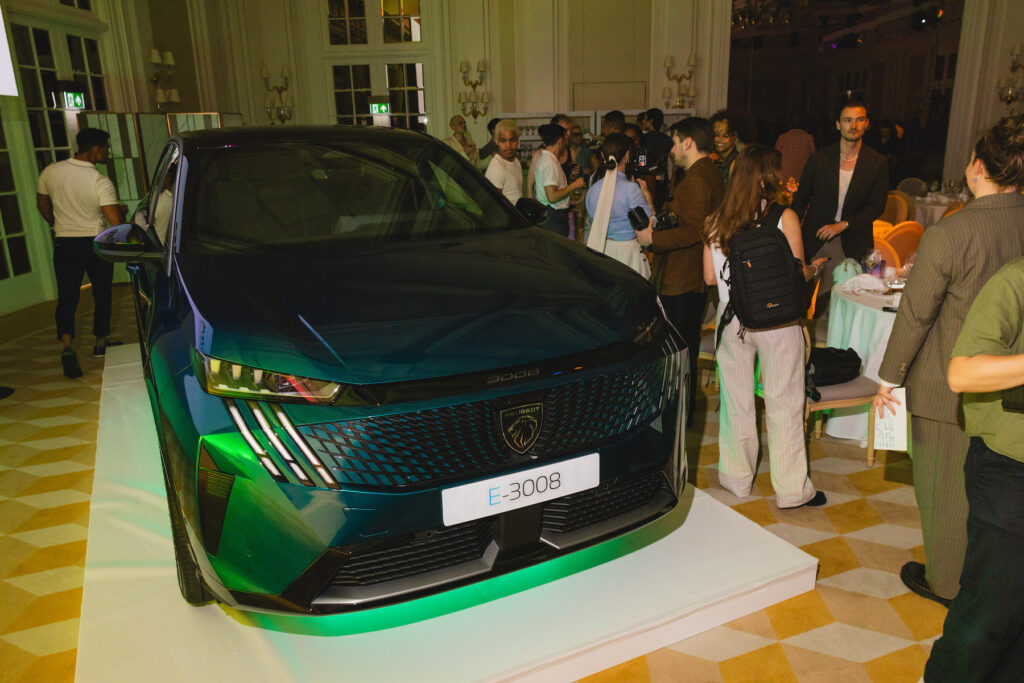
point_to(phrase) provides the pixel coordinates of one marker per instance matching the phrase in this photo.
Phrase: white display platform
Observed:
(700, 567)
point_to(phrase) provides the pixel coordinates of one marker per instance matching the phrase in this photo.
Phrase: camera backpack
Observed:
(766, 283)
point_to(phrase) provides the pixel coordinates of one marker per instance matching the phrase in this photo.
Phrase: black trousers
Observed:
(686, 312)
(983, 637)
(73, 257)
(557, 220)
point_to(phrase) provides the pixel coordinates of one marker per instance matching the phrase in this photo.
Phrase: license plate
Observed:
(513, 491)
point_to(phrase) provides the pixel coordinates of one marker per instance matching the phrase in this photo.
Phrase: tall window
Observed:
(352, 94)
(376, 48)
(346, 20)
(13, 250)
(401, 21)
(405, 90)
(38, 70)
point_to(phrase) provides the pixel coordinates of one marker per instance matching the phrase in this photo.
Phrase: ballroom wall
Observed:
(541, 55)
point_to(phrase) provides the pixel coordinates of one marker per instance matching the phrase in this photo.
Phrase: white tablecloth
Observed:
(929, 209)
(856, 321)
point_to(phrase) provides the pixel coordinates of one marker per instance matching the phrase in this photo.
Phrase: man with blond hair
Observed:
(504, 170)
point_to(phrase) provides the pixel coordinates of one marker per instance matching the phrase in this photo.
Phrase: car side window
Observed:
(162, 197)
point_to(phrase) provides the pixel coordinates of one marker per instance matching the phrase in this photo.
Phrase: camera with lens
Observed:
(664, 220)
(641, 163)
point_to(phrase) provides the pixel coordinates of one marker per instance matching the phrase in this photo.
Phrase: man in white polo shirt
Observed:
(504, 171)
(78, 201)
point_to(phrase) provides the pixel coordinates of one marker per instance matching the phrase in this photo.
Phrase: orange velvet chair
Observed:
(904, 238)
(896, 208)
(953, 208)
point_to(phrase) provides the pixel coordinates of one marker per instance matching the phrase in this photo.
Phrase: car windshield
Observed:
(293, 194)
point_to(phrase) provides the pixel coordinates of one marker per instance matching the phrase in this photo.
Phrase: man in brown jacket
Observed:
(678, 271)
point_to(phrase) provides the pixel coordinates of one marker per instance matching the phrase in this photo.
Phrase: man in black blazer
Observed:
(842, 191)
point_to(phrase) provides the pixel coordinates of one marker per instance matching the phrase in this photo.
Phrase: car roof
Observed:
(220, 137)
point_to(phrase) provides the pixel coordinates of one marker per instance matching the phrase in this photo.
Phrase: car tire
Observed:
(190, 580)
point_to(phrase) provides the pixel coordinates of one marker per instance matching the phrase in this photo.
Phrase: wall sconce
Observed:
(278, 102)
(684, 93)
(167, 99)
(468, 101)
(1011, 88)
(163, 72)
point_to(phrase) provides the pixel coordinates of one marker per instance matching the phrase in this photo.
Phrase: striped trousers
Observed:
(940, 450)
(781, 352)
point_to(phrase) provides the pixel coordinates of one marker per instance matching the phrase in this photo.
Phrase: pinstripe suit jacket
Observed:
(955, 259)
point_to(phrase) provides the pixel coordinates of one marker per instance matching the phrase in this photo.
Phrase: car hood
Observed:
(411, 311)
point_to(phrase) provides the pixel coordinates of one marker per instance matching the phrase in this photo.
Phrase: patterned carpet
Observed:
(860, 624)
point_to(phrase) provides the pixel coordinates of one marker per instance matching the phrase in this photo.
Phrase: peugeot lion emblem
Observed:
(520, 426)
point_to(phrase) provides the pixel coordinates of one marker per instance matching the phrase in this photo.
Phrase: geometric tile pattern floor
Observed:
(859, 624)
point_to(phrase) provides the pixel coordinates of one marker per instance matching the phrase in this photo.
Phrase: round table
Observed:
(856, 321)
(929, 209)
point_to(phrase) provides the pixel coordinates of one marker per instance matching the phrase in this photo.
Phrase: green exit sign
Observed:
(74, 100)
(380, 108)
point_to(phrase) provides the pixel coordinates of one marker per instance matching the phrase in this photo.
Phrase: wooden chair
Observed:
(913, 186)
(904, 238)
(952, 208)
(896, 208)
(892, 258)
(911, 208)
(857, 392)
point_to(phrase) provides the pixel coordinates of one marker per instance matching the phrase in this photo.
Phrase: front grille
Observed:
(423, 553)
(604, 502)
(427, 447)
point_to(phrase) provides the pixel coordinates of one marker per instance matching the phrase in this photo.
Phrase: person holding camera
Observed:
(678, 252)
(610, 200)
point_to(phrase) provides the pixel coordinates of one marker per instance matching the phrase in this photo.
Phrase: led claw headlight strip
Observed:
(304, 447)
(268, 430)
(243, 429)
(225, 378)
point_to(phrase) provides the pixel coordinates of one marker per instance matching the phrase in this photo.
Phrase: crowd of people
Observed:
(700, 188)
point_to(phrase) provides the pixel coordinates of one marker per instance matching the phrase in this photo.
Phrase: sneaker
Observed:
(912, 576)
(100, 350)
(69, 361)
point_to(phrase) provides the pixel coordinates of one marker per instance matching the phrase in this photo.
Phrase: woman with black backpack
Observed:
(751, 205)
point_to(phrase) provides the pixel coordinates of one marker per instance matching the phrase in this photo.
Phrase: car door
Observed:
(155, 214)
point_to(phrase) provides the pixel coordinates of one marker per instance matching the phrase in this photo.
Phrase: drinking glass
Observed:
(909, 263)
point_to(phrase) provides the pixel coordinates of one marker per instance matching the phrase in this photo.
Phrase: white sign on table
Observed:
(891, 429)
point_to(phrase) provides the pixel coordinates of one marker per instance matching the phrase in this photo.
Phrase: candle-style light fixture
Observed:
(163, 72)
(468, 101)
(685, 92)
(1011, 88)
(278, 101)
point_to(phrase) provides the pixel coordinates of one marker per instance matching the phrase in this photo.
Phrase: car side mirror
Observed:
(126, 243)
(534, 211)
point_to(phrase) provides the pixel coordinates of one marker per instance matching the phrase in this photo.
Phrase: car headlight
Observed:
(225, 378)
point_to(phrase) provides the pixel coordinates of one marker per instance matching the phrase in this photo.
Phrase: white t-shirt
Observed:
(720, 262)
(507, 176)
(844, 185)
(77, 191)
(546, 172)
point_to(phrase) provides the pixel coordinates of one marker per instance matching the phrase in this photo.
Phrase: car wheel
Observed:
(190, 580)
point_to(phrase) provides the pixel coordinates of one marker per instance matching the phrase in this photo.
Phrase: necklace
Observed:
(850, 158)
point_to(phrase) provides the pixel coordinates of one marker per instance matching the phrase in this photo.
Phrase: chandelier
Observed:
(748, 14)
